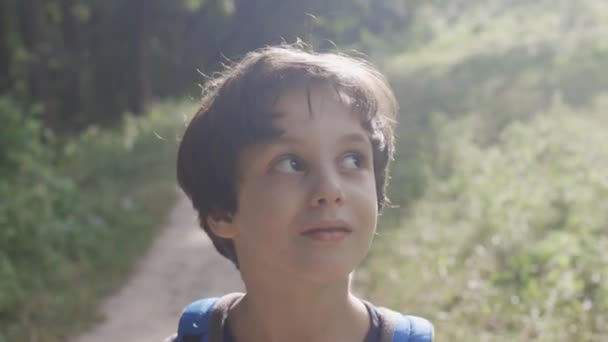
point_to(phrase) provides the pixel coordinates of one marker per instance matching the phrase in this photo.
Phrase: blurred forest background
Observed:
(501, 179)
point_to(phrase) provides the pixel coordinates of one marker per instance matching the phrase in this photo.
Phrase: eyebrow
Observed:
(355, 138)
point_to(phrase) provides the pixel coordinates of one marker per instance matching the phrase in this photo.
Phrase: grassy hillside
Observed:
(75, 215)
(501, 175)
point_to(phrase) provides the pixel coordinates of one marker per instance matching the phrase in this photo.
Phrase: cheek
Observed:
(366, 201)
(264, 216)
(265, 203)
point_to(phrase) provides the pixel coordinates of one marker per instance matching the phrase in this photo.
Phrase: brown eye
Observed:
(289, 164)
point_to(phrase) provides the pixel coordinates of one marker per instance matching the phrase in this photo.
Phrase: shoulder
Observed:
(406, 328)
(204, 318)
(413, 329)
(195, 317)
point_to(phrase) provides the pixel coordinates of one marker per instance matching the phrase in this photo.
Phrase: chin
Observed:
(327, 272)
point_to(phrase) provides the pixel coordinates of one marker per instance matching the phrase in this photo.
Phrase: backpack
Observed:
(203, 321)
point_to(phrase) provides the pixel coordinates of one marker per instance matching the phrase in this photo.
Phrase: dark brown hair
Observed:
(236, 111)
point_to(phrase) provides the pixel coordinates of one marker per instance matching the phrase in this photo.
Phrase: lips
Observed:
(327, 231)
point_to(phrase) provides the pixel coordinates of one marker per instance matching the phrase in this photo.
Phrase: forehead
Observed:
(298, 106)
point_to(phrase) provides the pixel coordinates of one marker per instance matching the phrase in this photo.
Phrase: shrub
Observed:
(510, 244)
(73, 216)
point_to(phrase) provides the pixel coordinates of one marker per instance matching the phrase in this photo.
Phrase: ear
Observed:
(220, 223)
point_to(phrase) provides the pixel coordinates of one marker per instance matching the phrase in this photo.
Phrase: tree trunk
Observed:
(35, 35)
(5, 60)
(140, 95)
(71, 92)
(266, 22)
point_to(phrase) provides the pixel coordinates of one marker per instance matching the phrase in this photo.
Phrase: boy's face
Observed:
(307, 203)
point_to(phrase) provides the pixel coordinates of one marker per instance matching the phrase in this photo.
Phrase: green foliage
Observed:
(376, 27)
(510, 245)
(72, 220)
(504, 238)
(20, 135)
(89, 61)
(498, 180)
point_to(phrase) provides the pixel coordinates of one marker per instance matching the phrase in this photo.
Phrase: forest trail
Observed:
(180, 267)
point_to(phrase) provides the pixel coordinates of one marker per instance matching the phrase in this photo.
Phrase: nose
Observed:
(327, 189)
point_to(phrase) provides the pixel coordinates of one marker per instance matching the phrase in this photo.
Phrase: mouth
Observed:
(327, 231)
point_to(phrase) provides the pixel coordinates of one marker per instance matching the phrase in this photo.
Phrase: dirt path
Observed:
(181, 266)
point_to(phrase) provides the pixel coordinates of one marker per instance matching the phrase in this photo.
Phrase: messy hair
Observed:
(237, 110)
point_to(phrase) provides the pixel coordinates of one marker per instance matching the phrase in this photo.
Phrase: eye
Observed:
(289, 164)
(353, 160)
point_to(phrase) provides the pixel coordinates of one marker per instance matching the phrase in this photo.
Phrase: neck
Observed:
(298, 310)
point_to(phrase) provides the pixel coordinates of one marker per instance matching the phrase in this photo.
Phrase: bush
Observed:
(74, 215)
(510, 244)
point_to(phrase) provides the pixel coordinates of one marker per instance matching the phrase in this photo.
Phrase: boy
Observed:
(286, 163)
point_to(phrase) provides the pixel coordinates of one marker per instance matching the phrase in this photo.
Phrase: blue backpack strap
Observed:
(413, 329)
(404, 328)
(195, 320)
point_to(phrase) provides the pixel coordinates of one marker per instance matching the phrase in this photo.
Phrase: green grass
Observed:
(511, 245)
(500, 176)
(78, 219)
